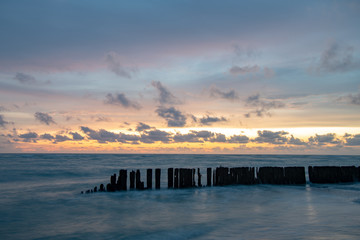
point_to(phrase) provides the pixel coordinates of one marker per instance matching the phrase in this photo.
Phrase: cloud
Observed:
(324, 139)
(219, 137)
(113, 62)
(61, 138)
(165, 96)
(173, 117)
(263, 107)
(336, 58)
(271, 137)
(29, 137)
(102, 119)
(193, 136)
(44, 118)
(25, 78)
(76, 136)
(238, 139)
(229, 95)
(296, 141)
(121, 99)
(104, 136)
(155, 136)
(236, 70)
(208, 120)
(350, 99)
(142, 126)
(47, 136)
(2, 121)
(353, 140)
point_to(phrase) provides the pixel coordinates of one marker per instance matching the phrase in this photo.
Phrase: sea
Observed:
(40, 198)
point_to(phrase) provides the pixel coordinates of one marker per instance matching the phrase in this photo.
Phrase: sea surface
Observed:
(40, 199)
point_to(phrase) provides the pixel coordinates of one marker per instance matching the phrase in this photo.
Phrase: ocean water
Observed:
(40, 199)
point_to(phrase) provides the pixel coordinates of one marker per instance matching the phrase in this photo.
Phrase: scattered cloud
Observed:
(238, 139)
(155, 136)
(121, 99)
(76, 136)
(47, 136)
(262, 106)
(24, 78)
(324, 139)
(29, 137)
(61, 138)
(208, 120)
(350, 99)
(336, 58)
(165, 96)
(193, 136)
(352, 140)
(219, 137)
(173, 117)
(113, 61)
(271, 137)
(2, 121)
(142, 126)
(229, 95)
(102, 119)
(236, 70)
(44, 118)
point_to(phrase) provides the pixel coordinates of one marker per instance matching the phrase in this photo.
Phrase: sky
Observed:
(155, 76)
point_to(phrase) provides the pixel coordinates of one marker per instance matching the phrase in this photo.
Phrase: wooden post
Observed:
(170, 177)
(157, 178)
(193, 177)
(132, 180)
(176, 178)
(149, 178)
(199, 177)
(123, 179)
(138, 181)
(208, 173)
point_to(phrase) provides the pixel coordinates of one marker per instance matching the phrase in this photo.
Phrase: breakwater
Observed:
(222, 176)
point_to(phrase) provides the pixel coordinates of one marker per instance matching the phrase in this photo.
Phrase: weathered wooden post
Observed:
(208, 175)
(123, 179)
(193, 177)
(157, 178)
(132, 179)
(199, 177)
(149, 178)
(170, 177)
(102, 188)
(176, 178)
(138, 181)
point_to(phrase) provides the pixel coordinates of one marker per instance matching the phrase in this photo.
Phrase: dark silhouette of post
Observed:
(149, 178)
(132, 179)
(208, 175)
(199, 177)
(139, 184)
(123, 179)
(157, 178)
(170, 177)
(176, 178)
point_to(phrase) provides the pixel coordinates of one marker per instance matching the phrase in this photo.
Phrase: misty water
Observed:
(40, 199)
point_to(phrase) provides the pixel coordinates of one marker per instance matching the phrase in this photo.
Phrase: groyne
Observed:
(222, 176)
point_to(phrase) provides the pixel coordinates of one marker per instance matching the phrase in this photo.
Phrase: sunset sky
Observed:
(180, 76)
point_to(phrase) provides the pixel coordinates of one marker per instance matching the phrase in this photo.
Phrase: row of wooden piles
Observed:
(222, 176)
